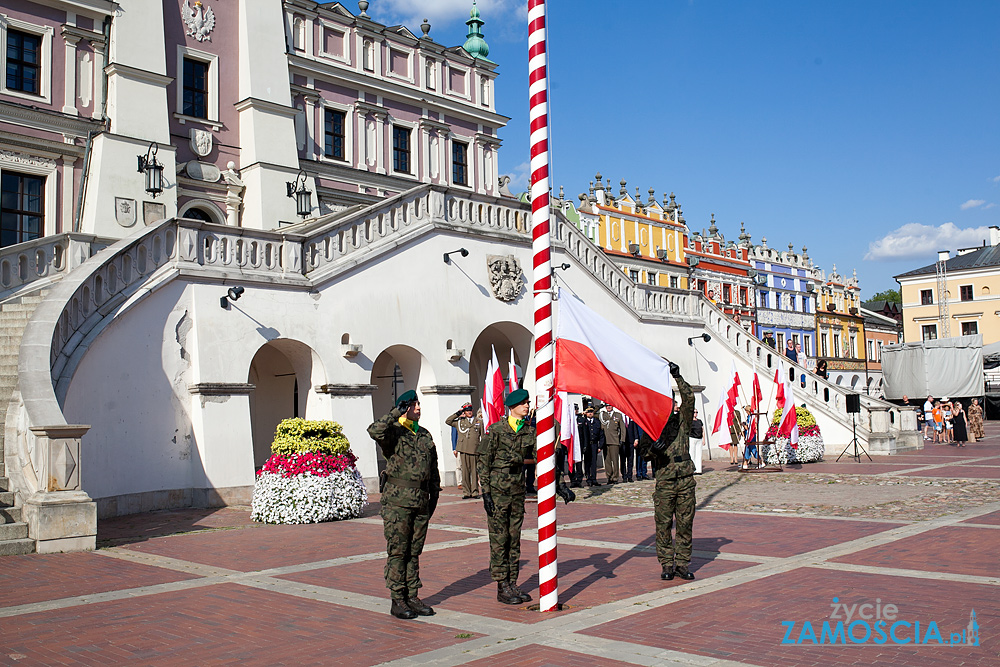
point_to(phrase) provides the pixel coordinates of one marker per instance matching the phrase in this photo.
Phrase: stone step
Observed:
(4, 484)
(17, 547)
(9, 359)
(10, 514)
(13, 531)
(10, 330)
(19, 307)
(6, 499)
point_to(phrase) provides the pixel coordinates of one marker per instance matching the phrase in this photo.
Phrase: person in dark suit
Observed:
(592, 435)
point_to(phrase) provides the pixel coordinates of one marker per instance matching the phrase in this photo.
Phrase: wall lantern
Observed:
(152, 169)
(462, 251)
(705, 337)
(233, 294)
(303, 198)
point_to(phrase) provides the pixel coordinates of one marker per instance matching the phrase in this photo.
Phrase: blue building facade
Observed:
(785, 296)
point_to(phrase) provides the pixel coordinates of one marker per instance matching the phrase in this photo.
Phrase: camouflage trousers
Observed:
(505, 537)
(674, 499)
(405, 532)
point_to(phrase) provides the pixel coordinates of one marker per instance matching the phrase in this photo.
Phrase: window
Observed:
(823, 343)
(764, 300)
(21, 207)
(333, 133)
(673, 281)
(852, 351)
(928, 331)
(871, 350)
(195, 102)
(727, 294)
(400, 149)
(791, 302)
(743, 296)
(368, 55)
(807, 345)
(965, 292)
(970, 328)
(926, 299)
(484, 91)
(459, 163)
(634, 275)
(836, 345)
(651, 277)
(24, 69)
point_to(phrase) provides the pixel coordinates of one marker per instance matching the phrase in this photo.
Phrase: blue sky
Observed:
(867, 131)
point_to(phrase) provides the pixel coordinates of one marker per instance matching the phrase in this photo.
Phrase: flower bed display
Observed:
(310, 477)
(810, 447)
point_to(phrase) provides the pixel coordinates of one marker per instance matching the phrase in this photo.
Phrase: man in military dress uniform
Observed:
(674, 495)
(614, 434)
(410, 488)
(503, 451)
(592, 435)
(470, 430)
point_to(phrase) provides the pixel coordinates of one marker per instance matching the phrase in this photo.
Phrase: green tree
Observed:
(890, 295)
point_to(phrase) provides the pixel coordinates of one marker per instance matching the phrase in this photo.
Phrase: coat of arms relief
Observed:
(506, 278)
(199, 20)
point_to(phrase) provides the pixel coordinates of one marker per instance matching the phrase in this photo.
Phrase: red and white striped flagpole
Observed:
(548, 588)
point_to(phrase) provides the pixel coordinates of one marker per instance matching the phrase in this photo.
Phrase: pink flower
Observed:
(308, 463)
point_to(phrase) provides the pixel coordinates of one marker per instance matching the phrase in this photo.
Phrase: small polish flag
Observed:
(512, 372)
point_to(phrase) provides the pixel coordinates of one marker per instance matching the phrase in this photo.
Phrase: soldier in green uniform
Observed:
(410, 488)
(503, 451)
(674, 497)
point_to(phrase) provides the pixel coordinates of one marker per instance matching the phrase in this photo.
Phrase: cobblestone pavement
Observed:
(776, 555)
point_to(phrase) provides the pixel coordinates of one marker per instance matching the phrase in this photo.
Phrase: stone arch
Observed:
(283, 372)
(201, 209)
(397, 369)
(503, 336)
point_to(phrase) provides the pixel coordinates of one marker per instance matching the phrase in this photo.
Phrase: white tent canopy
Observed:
(945, 367)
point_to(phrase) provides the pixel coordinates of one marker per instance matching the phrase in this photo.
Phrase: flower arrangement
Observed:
(310, 477)
(810, 447)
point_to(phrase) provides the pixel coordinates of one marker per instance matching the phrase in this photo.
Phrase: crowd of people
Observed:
(946, 421)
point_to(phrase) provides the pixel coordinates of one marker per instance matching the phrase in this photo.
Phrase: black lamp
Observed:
(232, 294)
(152, 169)
(705, 337)
(303, 198)
(462, 251)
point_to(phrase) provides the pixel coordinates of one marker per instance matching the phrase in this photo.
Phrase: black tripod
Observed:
(854, 442)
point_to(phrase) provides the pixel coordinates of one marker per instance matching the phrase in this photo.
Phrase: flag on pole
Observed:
(721, 417)
(595, 357)
(779, 379)
(569, 433)
(512, 372)
(495, 380)
(789, 427)
(755, 398)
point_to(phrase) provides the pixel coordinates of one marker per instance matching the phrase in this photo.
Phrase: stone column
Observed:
(60, 515)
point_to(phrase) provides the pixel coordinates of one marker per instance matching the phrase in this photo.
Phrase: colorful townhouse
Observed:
(840, 330)
(785, 296)
(720, 270)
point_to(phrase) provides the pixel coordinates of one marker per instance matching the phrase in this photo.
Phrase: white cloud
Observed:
(519, 178)
(972, 203)
(995, 179)
(989, 206)
(915, 240)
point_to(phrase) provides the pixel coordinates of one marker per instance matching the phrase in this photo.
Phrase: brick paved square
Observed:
(967, 470)
(266, 546)
(745, 623)
(849, 466)
(221, 624)
(992, 519)
(535, 655)
(953, 549)
(42, 577)
(470, 513)
(459, 578)
(138, 527)
(756, 535)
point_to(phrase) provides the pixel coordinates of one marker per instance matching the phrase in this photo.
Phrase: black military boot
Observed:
(518, 592)
(668, 573)
(565, 492)
(401, 610)
(506, 595)
(683, 573)
(417, 605)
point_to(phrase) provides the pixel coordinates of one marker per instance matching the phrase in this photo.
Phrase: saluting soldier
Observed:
(674, 495)
(470, 431)
(503, 451)
(410, 486)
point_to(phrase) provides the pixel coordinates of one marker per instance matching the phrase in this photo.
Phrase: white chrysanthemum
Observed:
(810, 450)
(308, 498)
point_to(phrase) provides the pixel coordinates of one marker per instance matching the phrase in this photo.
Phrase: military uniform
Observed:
(614, 434)
(674, 495)
(502, 453)
(470, 431)
(410, 494)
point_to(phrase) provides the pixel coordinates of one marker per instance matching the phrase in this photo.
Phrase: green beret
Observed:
(407, 396)
(516, 397)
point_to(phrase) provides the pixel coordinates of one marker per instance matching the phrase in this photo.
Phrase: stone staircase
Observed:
(14, 315)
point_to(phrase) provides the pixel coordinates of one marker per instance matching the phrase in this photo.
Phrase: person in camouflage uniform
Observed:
(503, 451)
(410, 488)
(674, 495)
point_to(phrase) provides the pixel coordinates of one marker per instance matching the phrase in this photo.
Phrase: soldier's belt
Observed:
(405, 483)
(681, 459)
(513, 468)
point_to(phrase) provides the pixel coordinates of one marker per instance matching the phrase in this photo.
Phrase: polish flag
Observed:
(494, 380)
(779, 379)
(596, 358)
(757, 395)
(755, 399)
(722, 416)
(512, 372)
(569, 433)
(733, 394)
(789, 427)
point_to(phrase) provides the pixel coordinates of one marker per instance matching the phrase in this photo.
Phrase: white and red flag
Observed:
(493, 392)
(512, 372)
(755, 399)
(789, 427)
(595, 357)
(569, 432)
(779, 379)
(722, 417)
